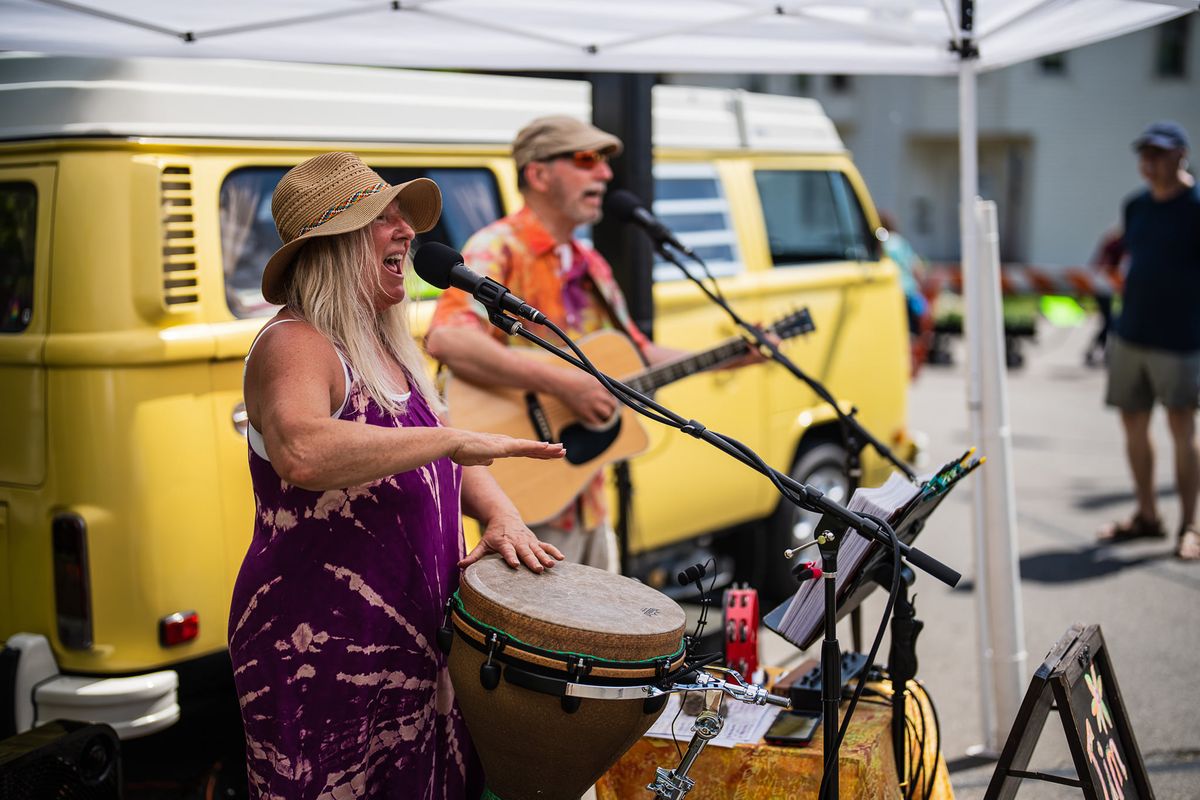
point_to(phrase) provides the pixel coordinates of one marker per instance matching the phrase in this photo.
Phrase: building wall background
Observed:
(1054, 145)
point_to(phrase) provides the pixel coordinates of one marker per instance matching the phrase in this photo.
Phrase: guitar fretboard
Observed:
(654, 377)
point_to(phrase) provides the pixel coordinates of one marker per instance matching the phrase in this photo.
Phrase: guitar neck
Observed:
(653, 377)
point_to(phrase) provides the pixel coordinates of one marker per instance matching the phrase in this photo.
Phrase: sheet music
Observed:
(905, 505)
(805, 612)
(744, 723)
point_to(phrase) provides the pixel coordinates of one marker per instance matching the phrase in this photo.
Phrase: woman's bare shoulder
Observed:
(288, 345)
(286, 332)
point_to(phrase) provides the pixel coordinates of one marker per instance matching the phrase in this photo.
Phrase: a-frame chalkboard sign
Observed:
(1078, 681)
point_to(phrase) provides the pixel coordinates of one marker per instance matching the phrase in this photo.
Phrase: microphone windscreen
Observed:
(690, 575)
(433, 262)
(621, 204)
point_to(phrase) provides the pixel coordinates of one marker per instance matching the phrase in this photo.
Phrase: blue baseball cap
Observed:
(1165, 135)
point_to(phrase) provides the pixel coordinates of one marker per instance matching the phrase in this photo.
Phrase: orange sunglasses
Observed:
(584, 159)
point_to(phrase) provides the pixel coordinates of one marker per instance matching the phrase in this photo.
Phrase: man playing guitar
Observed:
(563, 171)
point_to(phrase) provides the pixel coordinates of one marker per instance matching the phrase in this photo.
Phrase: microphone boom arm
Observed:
(798, 493)
(847, 421)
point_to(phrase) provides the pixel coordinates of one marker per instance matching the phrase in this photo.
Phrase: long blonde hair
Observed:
(331, 286)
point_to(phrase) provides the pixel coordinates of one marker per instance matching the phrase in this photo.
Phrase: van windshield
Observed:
(470, 200)
(813, 216)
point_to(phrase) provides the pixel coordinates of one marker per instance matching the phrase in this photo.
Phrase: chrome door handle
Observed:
(241, 420)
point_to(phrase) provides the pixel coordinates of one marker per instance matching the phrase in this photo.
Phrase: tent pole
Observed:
(968, 187)
(1001, 637)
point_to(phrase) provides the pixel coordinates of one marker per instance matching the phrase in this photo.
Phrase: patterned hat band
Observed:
(333, 211)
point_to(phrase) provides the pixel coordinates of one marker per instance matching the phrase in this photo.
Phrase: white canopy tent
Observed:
(825, 36)
(909, 37)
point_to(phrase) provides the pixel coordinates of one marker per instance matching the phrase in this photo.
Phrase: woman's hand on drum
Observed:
(509, 536)
(471, 449)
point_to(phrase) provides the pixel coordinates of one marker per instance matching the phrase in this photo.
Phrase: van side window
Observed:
(18, 233)
(470, 200)
(688, 198)
(812, 216)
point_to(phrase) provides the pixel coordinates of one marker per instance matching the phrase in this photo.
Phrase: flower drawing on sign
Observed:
(1099, 707)
(1108, 765)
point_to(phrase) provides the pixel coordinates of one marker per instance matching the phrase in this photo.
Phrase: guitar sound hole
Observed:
(583, 444)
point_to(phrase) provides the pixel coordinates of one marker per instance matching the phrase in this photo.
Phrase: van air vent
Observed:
(181, 282)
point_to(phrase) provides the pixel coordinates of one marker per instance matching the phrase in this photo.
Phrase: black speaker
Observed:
(63, 760)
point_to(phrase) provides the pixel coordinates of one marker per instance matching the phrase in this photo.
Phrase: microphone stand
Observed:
(854, 434)
(837, 519)
(902, 668)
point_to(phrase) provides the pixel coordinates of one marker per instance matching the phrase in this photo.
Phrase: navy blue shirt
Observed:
(1161, 306)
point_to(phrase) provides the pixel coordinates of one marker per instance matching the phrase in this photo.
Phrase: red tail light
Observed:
(72, 589)
(177, 628)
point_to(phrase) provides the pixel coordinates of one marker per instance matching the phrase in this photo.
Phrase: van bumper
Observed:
(134, 706)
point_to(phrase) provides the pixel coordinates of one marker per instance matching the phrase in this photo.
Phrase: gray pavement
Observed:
(1070, 477)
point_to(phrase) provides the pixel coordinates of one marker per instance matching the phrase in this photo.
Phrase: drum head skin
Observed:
(574, 608)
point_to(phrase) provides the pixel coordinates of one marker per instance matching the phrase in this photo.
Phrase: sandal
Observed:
(1188, 548)
(1136, 528)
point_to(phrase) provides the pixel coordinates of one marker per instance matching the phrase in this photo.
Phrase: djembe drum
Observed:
(520, 638)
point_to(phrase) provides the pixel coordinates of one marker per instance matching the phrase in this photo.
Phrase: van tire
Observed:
(823, 465)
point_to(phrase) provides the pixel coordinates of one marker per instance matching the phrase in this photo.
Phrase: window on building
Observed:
(1054, 65)
(1171, 53)
(813, 216)
(18, 234)
(689, 200)
(758, 82)
(841, 84)
(470, 200)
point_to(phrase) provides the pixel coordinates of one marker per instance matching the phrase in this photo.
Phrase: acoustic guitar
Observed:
(543, 489)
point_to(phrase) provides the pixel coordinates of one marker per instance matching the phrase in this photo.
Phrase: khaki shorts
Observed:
(1137, 376)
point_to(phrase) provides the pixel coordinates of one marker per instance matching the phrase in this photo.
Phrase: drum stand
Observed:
(675, 784)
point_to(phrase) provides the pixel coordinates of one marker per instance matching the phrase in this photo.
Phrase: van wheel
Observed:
(822, 466)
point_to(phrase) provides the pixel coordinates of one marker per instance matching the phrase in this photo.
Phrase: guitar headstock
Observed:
(797, 323)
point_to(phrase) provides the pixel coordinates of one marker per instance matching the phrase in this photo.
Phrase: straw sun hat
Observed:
(336, 193)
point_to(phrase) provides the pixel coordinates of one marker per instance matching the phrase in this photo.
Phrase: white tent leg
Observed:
(998, 600)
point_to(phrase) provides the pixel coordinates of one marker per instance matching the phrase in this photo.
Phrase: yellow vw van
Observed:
(134, 223)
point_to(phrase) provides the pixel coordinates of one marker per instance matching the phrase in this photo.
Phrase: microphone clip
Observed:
(496, 296)
(510, 325)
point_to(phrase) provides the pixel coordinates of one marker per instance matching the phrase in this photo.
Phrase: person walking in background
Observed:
(1107, 261)
(1154, 349)
(912, 275)
(359, 491)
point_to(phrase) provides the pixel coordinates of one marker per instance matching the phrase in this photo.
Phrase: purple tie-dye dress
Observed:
(344, 693)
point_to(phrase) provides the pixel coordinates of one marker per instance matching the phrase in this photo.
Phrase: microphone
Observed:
(627, 207)
(691, 574)
(443, 267)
